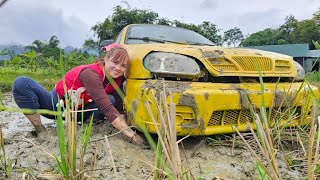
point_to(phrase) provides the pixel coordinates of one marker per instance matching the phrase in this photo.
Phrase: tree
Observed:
(52, 48)
(36, 46)
(210, 31)
(292, 32)
(233, 36)
(46, 49)
(265, 37)
(122, 17)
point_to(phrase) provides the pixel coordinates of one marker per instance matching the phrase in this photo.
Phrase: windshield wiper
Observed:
(148, 39)
(197, 43)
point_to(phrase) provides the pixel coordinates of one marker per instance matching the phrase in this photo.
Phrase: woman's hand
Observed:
(137, 140)
(120, 124)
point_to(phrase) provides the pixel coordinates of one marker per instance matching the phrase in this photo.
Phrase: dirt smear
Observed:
(132, 162)
(170, 87)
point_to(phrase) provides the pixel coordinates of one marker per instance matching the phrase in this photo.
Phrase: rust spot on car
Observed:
(201, 124)
(193, 125)
(206, 96)
(245, 101)
(168, 86)
(212, 54)
(215, 61)
(131, 114)
(188, 100)
(282, 99)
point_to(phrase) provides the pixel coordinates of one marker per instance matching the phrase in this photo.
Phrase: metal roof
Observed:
(314, 53)
(295, 50)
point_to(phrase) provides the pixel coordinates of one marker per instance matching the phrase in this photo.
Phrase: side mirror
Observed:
(106, 43)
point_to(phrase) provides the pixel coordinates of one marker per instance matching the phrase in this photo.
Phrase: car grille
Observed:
(248, 63)
(230, 117)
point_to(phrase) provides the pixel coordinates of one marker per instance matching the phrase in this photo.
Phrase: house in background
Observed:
(309, 59)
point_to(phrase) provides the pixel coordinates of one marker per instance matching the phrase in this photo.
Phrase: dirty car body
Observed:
(213, 87)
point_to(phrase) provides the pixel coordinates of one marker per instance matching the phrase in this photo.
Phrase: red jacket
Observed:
(76, 90)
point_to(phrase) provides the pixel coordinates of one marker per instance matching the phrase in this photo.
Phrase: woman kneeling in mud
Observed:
(90, 83)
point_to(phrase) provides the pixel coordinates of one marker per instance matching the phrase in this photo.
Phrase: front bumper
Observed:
(214, 108)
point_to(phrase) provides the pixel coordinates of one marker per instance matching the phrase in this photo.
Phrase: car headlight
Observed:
(300, 72)
(171, 65)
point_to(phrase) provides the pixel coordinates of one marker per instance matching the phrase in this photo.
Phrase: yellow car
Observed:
(213, 87)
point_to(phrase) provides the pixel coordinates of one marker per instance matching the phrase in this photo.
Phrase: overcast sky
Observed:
(23, 21)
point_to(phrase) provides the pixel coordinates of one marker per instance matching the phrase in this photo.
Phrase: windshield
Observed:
(141, 34)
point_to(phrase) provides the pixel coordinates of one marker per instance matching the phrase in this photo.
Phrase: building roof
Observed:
(314, 53)
(295, 50)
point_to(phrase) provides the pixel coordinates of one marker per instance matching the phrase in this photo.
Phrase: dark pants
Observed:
(29, 94)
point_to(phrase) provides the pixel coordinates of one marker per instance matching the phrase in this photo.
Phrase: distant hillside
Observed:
(68, 49)
(19, 49)
(14, 49)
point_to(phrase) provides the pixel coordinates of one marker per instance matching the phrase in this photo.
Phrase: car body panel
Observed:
(206, 108)
(203, 109)
(213, 59)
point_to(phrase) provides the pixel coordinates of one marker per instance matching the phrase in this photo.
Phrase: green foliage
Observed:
(3, 52)
(15, 62)
(67, 161)
(30, 60)
(122, 17)
(46, 78)
(5, 162)
(75, 58)
(32, 64)
(265, 37)
(291, 32)
(1, 99)
(46, 49)
(207, 29)
(262, 174)
(62, 162)
(316, 44)
(233, 36)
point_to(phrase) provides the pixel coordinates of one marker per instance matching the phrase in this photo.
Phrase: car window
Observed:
(137, 34)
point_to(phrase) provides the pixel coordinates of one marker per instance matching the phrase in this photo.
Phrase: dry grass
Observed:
(168, 162)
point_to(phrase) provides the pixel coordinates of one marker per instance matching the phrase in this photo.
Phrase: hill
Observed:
(19, 49)
(12, 49)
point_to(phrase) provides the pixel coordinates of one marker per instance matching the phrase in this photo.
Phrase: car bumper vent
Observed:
(230, 117)
(282, 66)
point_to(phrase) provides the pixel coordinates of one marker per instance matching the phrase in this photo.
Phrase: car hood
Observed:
(219, 61)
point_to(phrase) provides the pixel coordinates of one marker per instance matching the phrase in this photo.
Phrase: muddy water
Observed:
(132, 162)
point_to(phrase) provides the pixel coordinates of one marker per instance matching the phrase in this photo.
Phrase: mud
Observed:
(206, 96)
(188, 100)
(212, 54)
(170, 87)
(283, 99)
(205, 160)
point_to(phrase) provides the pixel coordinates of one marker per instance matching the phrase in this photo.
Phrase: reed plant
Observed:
(271, 131)
(168, 162)
(1, 99)
(5, 162)
(67, 137)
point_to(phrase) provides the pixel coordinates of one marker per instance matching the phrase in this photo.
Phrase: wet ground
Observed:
(205, 160)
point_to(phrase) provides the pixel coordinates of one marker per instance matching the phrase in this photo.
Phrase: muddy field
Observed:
(205, 160)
